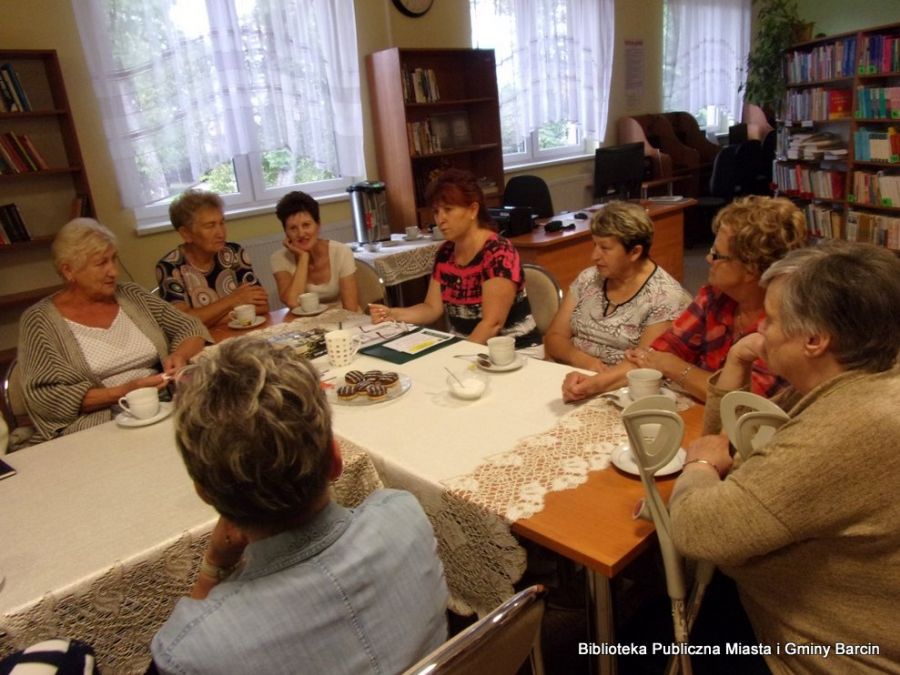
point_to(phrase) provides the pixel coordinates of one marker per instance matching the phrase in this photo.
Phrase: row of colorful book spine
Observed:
(876, 145)
(818, 104)
(875, 189)
(825, 62)
(12, 226)
(18, 154)
(878, 102)
(12, 94)
(801, 181)
(872, 228)
(420, 86)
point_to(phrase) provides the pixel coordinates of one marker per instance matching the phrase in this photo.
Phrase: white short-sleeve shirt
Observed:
(342, 264)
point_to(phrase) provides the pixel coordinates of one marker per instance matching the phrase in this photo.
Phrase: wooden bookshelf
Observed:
(855, 64)
(44, 197)
(466, 81)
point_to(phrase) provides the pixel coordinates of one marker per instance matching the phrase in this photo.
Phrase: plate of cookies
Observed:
(367, 388)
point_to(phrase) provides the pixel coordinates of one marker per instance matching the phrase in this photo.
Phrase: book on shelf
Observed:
(12, 223)
(873, 228)
(876, 145)
(11, 156)
(879, 54)
(80, 207)
(14, 88)
(420, 86)
(20, 154)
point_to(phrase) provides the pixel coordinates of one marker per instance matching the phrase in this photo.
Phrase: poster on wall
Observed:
(634, 72)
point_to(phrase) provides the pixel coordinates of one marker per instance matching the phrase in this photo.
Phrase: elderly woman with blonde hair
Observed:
(751, 234)
(623, 300)
(89, 344)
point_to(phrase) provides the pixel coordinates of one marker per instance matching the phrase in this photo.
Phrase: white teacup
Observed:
(141, 403)
(244, 314)
(501, 349)
(342, 346)
(436, 233)
(644, 382)
(412, 233)
(309, 302)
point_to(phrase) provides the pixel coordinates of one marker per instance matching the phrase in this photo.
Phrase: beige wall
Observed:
(840, 16)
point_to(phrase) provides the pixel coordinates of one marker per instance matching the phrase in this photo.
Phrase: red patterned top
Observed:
(704, 333)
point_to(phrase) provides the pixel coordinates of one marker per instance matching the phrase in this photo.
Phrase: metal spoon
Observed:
(483, 359)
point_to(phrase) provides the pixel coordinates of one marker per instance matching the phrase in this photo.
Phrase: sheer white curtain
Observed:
(185, 85)
(705, 52)
(554, 59)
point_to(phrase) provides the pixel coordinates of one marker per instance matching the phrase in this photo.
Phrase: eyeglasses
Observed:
(714, 255)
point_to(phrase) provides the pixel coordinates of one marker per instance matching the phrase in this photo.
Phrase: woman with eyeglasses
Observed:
(751, 234)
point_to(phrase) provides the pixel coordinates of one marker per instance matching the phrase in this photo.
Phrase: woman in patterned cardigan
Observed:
(92, 342)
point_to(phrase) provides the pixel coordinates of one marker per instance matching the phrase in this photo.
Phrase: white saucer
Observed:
(515, 364)
(123, 419)
(239, 326)
(298, 311)
(623, 459)
(625, 397)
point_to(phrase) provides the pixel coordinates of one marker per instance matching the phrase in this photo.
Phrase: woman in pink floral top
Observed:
(477, 277)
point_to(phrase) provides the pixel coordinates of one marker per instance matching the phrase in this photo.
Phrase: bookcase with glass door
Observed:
(42, 176)
(433, 109)
(838, 152)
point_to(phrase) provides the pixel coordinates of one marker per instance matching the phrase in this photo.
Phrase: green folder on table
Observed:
(431, 340)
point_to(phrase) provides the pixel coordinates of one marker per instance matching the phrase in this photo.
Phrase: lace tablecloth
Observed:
(118, 609)
(402, 261)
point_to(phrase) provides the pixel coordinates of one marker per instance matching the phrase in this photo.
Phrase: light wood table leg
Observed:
(600, 605)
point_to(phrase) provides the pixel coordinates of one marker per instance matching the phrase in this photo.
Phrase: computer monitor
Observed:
(618, 171)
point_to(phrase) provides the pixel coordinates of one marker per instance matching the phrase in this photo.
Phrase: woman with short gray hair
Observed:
(623, 300)
(89, 344)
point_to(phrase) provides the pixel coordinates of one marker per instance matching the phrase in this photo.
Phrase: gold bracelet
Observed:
(214, 571)
(680, 380)
(702, 461)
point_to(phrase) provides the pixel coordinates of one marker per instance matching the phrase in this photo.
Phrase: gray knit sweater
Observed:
(55, 374)
(808, 527)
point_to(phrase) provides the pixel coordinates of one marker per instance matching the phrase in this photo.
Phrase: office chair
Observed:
(497, 644)
(652, 451)
(723, 188)
(544, 294)
(529, 191)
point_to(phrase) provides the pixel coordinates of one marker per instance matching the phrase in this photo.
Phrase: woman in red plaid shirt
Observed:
(751, 234)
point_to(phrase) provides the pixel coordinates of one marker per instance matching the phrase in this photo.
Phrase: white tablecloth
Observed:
(102, 532)
(400, 261)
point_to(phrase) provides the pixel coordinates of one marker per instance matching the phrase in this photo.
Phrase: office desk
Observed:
(567, 252)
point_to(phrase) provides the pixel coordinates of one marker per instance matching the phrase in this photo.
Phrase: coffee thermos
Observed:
(369, 208)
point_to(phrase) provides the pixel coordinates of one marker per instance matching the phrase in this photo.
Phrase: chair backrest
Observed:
(723, 182)
(757, 124)
(529, 191)
(688, 131)
(370, 285)
(655, 437)
(497, 644)
(544, 294)
(13, 396)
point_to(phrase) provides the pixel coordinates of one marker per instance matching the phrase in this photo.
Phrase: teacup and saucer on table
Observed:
(142, 407)
(501, 355)
(309, 305)
(244, 316)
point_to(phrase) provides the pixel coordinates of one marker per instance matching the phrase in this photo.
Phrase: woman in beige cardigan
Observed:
(95, 340)
(807, 525)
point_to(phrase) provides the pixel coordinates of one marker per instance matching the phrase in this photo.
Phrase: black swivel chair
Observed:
(751, 178)
(723, 188)
(529, 191)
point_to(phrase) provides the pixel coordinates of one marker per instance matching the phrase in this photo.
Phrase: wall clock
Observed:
(413, 8)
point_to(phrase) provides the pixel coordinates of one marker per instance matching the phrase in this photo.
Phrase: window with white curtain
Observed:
(249, 98)
(705, 47)
(554, 66)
